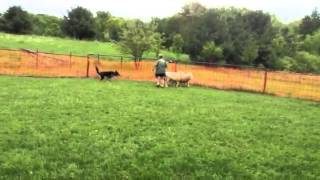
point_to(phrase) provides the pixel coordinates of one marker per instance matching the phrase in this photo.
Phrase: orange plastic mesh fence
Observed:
(21, 62)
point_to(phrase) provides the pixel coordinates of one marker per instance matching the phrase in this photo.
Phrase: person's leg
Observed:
(158, 80)
(161, 81)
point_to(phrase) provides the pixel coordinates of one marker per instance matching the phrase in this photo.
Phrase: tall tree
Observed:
(311, 43)
(212, 53)
(2, 23)
(310, 24)
(79, 24)
(101, 22)
(115, 28)
(137, 38)
(177, 45)
(157, 43)
(17, 21)
(46, 25)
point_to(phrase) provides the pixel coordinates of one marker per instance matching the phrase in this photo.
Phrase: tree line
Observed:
(216, 35)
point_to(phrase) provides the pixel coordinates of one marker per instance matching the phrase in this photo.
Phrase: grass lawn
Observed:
(87, 129)
(65, 46)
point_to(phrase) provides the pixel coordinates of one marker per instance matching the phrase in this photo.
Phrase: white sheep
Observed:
(178, 78)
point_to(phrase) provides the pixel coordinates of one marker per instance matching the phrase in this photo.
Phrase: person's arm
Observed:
(154, 67)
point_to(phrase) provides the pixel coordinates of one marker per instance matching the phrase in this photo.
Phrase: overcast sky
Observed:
(285, 10)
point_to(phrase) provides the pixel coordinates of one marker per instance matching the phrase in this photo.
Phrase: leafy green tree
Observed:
(177, 45)
(310, 23)
(306, 62)
(137, 38)
(212, 53)
(79, 24)
(46, 25)
(157, 43)
(193, 9)
(260, 26)
(2, 23)
(303, 62)
(249, 51)
(115, 28)
(287, 63)
(312, 43)
(17, 21)
(101, 22)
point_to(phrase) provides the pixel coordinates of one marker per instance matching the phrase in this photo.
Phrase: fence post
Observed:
(37, 59)
(70, 56)
(265, 81)
(175, 66)
(98, 58)
(121, 62)
(88, 64)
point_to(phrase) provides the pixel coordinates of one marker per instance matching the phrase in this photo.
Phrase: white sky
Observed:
(285, 10)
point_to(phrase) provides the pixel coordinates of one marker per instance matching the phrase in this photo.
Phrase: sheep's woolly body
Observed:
(179, 77)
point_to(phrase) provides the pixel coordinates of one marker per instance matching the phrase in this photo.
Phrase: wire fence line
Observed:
(42, 64)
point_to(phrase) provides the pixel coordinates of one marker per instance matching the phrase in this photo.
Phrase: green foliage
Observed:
(193, 9)
(302, 62)
(181, 58)
(46, 25)
(177, 45)
(85, 129)
(101, 22)
(79, 24)
(312, 43)
(156, 44)
(116, 26)
(287, 63)
(137, 38)
(306, 62)
(16, 20)
(211, 52)
(249, 51)
(310, 24)
(2, 23)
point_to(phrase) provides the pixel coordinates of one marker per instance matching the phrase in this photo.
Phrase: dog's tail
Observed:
(97, 70)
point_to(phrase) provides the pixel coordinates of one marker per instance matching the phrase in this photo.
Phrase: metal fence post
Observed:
(265, 81)
(121, 62)
(88, 64)
(175, 66)
(37, 59)
(70, 56)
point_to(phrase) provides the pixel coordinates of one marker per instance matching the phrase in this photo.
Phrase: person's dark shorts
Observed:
(162, 75)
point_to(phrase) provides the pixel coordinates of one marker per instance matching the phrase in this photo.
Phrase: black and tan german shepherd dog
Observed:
(107, 74)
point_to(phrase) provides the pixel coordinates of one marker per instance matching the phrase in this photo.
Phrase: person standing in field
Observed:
(160, 71)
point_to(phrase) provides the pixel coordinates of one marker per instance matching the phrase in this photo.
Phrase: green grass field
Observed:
(65, 46)
(87, 129)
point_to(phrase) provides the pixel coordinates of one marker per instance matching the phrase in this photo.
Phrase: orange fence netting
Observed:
(28, 63)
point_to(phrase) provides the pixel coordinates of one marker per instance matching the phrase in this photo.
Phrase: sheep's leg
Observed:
(177, 85)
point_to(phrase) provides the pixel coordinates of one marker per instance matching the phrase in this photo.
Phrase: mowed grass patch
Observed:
(76, 47)
(88, 129)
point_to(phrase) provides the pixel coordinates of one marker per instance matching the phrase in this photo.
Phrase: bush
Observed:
(302, 62)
